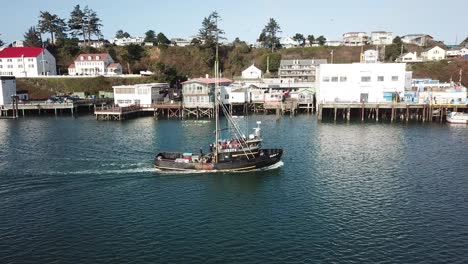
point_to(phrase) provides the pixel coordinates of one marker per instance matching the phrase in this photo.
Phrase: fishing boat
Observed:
(457, 118)
(237, 153)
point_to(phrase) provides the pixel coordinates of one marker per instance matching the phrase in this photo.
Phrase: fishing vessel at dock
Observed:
(457, 118)
(236, 153)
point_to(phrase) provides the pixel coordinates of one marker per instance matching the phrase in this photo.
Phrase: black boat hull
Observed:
(265, 158)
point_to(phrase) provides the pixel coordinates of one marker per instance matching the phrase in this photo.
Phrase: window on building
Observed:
(31, 65)
(365, 78)
(380, 78)
(9, 60)
(30, 59)
(19, 60)
(20, 66)
(326, 79)
(199, 88)
(334, 79)
(394, 78)
(10, 66)
(226, 96)
(343, 79)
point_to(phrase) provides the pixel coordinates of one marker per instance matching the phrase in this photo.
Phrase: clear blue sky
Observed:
(444, 20)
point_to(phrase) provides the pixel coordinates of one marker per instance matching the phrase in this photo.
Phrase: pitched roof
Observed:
(71, 66)
(27, 52)
(208, 80)
(113, 65)
(94, 56)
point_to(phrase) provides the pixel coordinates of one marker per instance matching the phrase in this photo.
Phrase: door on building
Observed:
(364, 97)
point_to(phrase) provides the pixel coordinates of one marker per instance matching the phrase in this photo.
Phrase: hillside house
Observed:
(416, 39)
(252, 72)
(289, 42)
(381, 38)
(128, 41)
(299, 70)
(409, 57)
(95, 64)
(433, 54)
(370, 56)
(355, 39)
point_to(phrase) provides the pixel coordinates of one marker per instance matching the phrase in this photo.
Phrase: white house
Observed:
(233, 95)
(181, 42)
(138, 94)
(27, 62)
(97, 44)
(288, 42)
(370, 56)
(7, 89)
(252, 72)
(416, 39)
(299, 70)
(95, 64)
(355, 39)
(456, 52)
(17, 44)
(433, 54)
(333, 43)
(128, 41)
(381, 38)
(360, 82)
(409, 57)
(199, 92)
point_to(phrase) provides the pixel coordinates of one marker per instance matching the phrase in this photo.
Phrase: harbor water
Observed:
(75, 190)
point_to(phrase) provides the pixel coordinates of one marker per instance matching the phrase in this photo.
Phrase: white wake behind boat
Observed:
(457, 118)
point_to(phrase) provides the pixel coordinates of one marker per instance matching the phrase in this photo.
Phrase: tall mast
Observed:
(216, 68)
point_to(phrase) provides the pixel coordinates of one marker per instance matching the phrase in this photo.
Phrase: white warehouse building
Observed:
(361, 82)
(138, 94)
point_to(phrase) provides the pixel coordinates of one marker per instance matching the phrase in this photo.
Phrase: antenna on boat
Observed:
(216, 68)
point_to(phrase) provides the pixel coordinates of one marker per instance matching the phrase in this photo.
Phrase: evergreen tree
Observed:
(77, 23)
(121, 34)
(1, 43)
(209, 34)
(32, 38)
(150, 36)
(311, 39)
(93, 23)
(321, 40)
(162, 39)
(52, 24)
(300, 39)
(269, 34)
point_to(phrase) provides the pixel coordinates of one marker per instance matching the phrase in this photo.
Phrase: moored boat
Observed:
(457, 118)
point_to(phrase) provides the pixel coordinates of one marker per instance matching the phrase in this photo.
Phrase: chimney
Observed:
(207, 76)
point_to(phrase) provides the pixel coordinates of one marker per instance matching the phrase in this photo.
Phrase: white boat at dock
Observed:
(457, 118)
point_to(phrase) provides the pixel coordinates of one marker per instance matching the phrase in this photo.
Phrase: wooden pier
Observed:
(44, 107)
(387, 111)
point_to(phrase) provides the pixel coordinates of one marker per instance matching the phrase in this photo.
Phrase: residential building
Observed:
(252, 72)
(433, 54)
(299, 70)
(333, 43)
(17, 44)
(436, 92)
(289, 42)
(7, 89)
(233, 95)
(128, 41)
(370, 56)
(27, 62)
(95, 64)
(139, 94)
(381, 38)
(97, 44)
(456, 52)
(409, 57)
(416, 39)
(181, 42)
(360, 82)
(355, 39)
(199, 92)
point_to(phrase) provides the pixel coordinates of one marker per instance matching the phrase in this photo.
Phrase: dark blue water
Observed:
(82, 191)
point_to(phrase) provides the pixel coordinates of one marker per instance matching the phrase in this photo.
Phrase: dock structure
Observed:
(45, 107)
(170, 109)
(116, 112)
(387, 111)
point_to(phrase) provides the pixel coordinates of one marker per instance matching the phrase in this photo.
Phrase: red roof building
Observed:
(27, 62)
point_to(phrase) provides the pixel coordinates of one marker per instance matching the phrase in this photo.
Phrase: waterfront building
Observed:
(252, 72)
(381, 38)
(128, 41)
(199, 92)
(416, 39)
(409, 57)
(95, 64)
(360, 82)
(355, 39)
(433, 54)
(436, 92)
(27, 62)
(233, 95)
(370, 56)
(7, 89)
(139, 94)
(299, 70)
